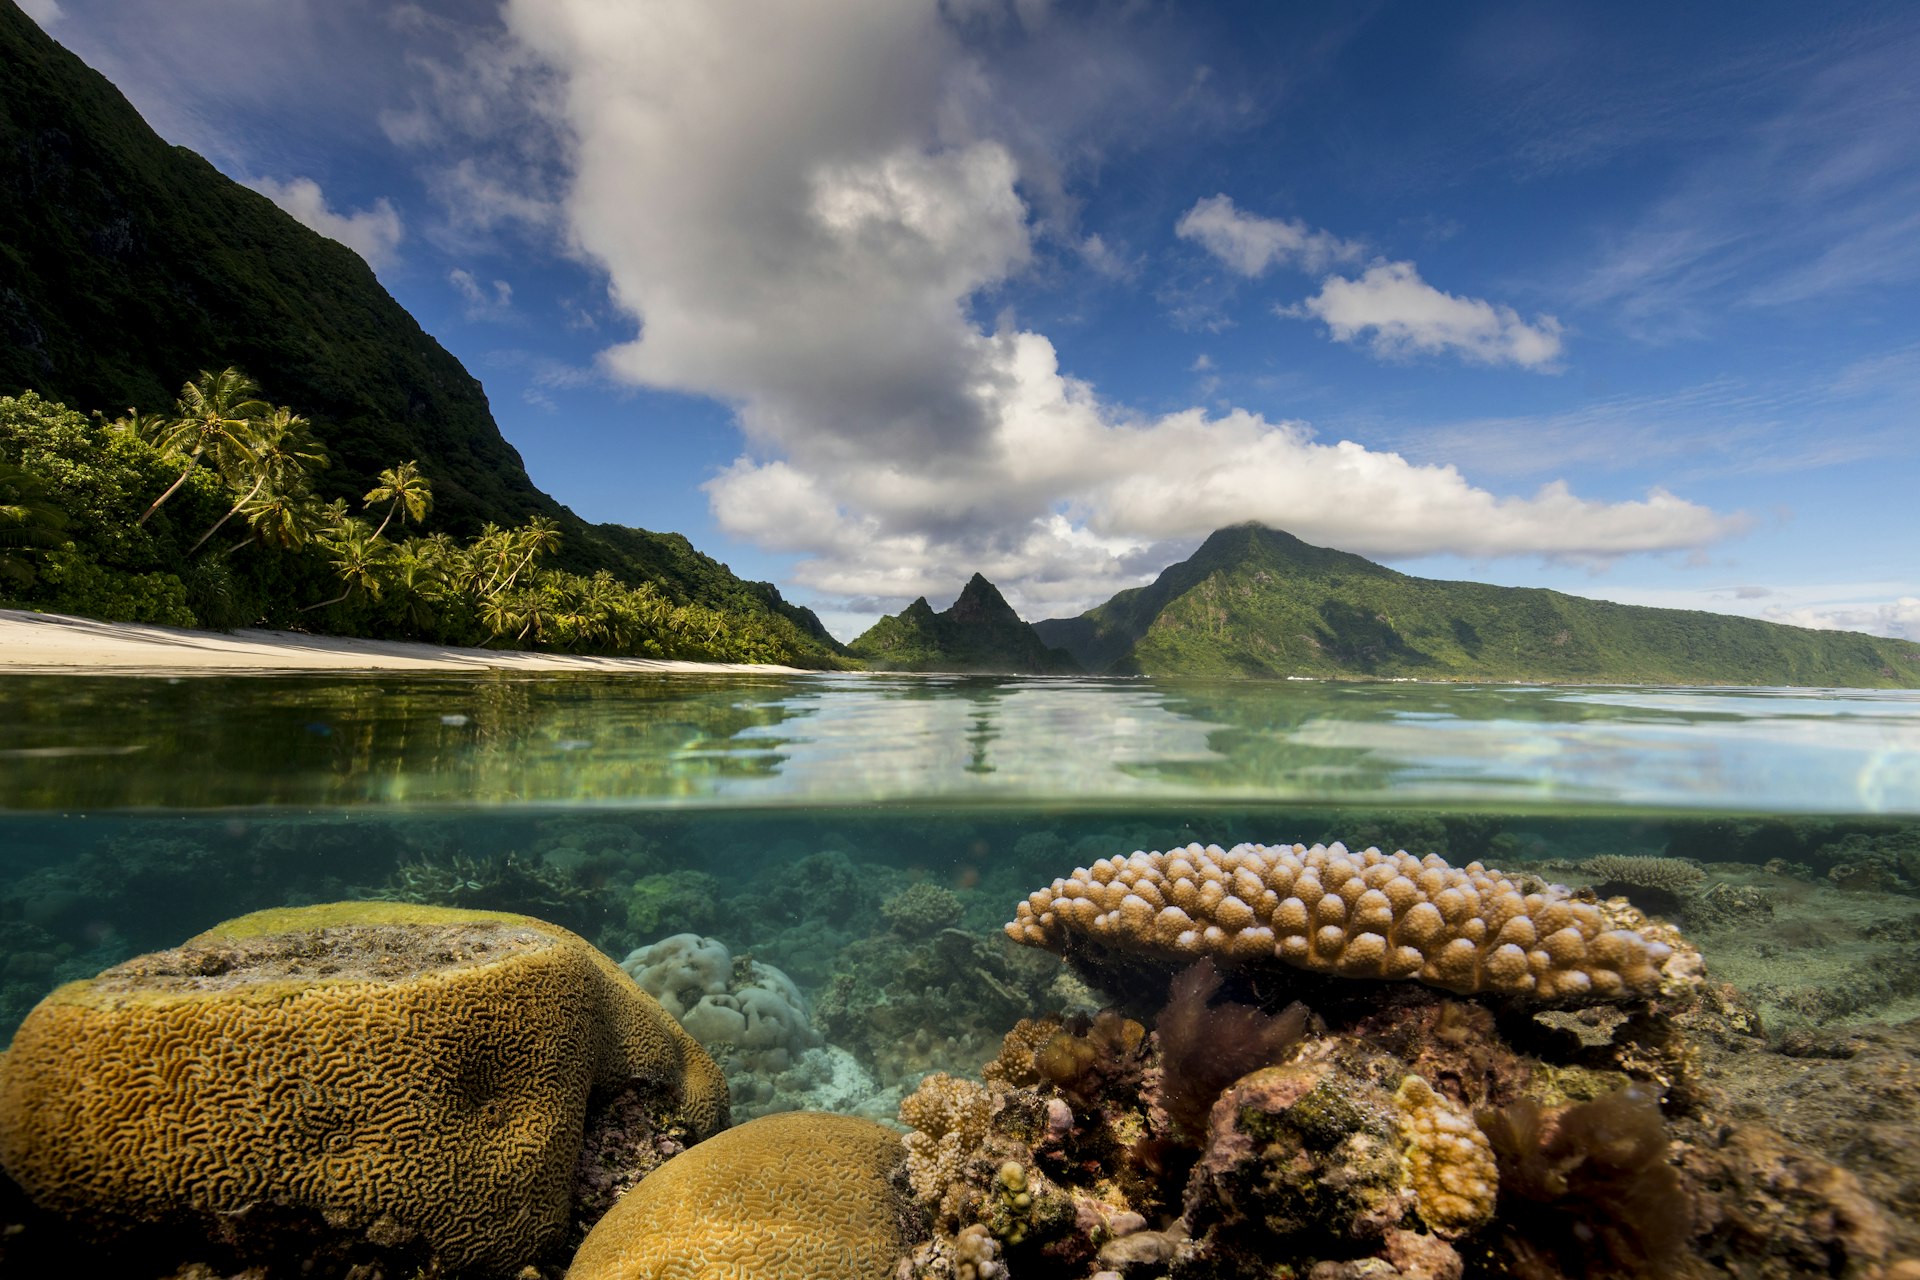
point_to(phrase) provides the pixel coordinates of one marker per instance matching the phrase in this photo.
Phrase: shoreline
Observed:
(62, 644)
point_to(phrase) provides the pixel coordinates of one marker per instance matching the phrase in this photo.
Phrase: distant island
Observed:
(1258, 603)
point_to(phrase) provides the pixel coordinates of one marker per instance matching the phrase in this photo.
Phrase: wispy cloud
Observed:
(1868, 409)
(491, 301)
(1812, 195)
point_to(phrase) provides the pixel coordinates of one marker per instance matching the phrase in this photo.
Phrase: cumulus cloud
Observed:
(374, 233)
(1398, 313)
(811, 252)
(1897, 618)
(1249, 244)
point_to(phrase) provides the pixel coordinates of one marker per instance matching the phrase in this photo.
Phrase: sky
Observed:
(865, 296)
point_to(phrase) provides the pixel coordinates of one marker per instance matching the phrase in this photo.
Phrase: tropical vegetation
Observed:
(1258, 602)
(134, 518)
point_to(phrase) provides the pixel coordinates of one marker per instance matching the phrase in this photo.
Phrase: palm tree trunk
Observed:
(192, 461)
(383, 522)
(231, 512)
(309, 608)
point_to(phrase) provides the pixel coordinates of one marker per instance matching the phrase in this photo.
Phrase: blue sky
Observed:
(866, 295)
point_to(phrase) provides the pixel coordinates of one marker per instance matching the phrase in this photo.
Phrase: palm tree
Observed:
(358, 557)
(283, 517)
(216, 413)
(284, 449)
(535, 538)
(404, 489)
(417, 581)
(27, 521)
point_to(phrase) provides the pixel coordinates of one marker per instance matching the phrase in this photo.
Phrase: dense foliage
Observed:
(126, 262)
(136, 519)
(979, 632)
(1257, 602)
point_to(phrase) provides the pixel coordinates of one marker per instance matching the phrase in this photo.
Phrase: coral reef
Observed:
(904, 1007)
(748, 1015)
(414, 1079)
(1358, 915)
(1659, 885)
(797, 1196)
(673, 902)
(921, 910)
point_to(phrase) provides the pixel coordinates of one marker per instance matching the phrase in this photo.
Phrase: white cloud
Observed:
(1404, 314)
(810, 253)
(373, 233)
(1897, 618)
(44, 12)
(483, 302)
(1249, 244)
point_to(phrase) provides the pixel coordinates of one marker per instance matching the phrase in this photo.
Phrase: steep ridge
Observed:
(979, 632)
(127, 265)
(1258, 602)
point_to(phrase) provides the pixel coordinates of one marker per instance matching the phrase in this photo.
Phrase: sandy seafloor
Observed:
(52, 642)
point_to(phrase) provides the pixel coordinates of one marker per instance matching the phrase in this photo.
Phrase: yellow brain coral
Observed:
(1448, 1162)
(795, 1196)
(1363, 915)
(413, 1073)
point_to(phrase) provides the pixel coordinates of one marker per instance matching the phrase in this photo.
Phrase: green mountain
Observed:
(127, 265)
(980, 632)
(1256, 602)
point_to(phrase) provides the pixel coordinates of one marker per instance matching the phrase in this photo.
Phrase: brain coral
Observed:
(747, 1014)
(796, 1196)
(418, 1075)
(1361, 915)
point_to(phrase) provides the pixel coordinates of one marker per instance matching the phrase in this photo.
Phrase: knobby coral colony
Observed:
(1382, 1129)
(1358, 915)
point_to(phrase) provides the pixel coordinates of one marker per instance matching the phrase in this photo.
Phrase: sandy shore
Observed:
(52, 642)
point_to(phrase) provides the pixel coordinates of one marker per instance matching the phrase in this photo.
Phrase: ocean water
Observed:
(867, 836)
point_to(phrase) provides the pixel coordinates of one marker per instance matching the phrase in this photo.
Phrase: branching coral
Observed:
(1360, 915)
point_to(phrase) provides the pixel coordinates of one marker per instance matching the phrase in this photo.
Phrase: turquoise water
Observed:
(868, 836)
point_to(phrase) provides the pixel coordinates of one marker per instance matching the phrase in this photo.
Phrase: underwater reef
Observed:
(1209, 1063)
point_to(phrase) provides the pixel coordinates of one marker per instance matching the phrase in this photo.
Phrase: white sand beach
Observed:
(52, 642)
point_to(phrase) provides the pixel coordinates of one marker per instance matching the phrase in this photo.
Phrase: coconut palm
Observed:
(28, 520)
(357, 557)
(285, 517)
(283, 451)
(416, 583)
(406, 491)
(538, 536)
(217, 415)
